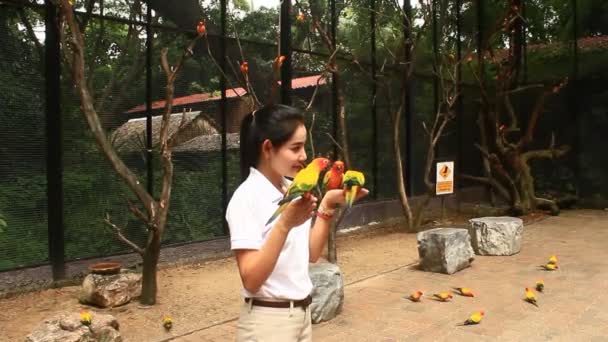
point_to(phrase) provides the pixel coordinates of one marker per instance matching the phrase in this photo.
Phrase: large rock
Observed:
(66, 327)
(496, 235)
(328, 291)
(445, 250)
(110, 290)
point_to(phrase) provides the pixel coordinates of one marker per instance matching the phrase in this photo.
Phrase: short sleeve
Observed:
(245, 232)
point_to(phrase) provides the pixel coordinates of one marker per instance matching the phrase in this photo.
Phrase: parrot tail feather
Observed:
(277, 213)
(350, 195)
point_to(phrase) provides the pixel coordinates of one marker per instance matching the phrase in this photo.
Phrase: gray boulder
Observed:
(496, 235)
(328, 291)
(445, 250)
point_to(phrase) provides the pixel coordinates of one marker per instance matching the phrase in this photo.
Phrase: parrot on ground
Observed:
(474, 318)
(353, 181)
(415, 296)
(552, 260)
(531, 297)
(550, 267)
(304, 182)
(443, 296)
(85, 317)
(167, 323)
(333, 178)
(540, 285)
(464, 291)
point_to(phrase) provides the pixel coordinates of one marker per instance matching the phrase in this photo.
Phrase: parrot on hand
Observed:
(540, 285)
(464, 291)
(353, 181)
(443, 296)
(531, 297)
(304, 182)
(474, 318)
(333, 178)
(415, 296)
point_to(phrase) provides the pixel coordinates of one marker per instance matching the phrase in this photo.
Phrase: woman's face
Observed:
(288, 159)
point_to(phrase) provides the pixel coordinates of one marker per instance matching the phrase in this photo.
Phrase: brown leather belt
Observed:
(303, 303)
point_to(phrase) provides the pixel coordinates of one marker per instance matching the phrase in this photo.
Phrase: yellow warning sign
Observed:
(445, 178)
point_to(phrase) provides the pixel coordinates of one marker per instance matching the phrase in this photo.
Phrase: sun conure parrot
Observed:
(415, 296)
(552, 260)
(474, 318)
(85, 318)
(353, 181)
(443, 296)
(550, 267)
(531, 297)
(303, 183)
(540, 285)
(167, 323)
(333, 178)
(464, 291)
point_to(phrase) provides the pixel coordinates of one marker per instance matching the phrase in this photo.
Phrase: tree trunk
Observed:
(149, 284)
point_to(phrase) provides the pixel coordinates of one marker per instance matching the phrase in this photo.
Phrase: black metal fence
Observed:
(56, 187)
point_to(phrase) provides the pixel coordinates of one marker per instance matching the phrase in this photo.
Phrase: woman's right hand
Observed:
(297, 212)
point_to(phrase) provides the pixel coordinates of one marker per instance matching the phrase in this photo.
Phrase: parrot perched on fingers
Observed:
(415, 296)
(304, 182)
(333, 178)
(474, 318)
(443, 296)
(464, 291)
(353, 181)
(531, 297)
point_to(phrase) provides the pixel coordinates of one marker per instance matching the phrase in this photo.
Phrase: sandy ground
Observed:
(203, 295)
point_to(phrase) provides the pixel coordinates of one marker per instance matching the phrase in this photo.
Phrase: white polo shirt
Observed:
(251, 205)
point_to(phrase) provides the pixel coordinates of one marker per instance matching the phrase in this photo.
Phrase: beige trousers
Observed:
(261, 324)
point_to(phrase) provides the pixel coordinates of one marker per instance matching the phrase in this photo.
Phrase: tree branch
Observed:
(121, 237)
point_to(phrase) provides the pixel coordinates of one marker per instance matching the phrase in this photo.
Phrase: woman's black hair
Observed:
(276, 123)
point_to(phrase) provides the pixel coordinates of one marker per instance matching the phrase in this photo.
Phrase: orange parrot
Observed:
(333, 178)
(415, 296)
(200, 28)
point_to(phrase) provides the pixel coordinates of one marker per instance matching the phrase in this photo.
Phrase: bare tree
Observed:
(506, 149)
(155, 211)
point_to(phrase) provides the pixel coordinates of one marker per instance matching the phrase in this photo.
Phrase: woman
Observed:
(273, 259)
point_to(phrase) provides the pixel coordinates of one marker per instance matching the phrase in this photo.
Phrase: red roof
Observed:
(296, 83)
(194, 98)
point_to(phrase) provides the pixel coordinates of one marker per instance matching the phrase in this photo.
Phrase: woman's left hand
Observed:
(337, 197)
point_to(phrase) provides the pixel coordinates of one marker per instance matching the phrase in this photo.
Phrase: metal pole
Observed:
(524, 41)
(459, 103)
(435, 67)
(285, 50)
(54, 148)
(408, 119)
(149, 154)
(335, 76)
(223, 114)
(374, 103)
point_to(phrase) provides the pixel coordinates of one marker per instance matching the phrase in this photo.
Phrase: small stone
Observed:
(445, 250)
(328, 291)
(500, 235)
